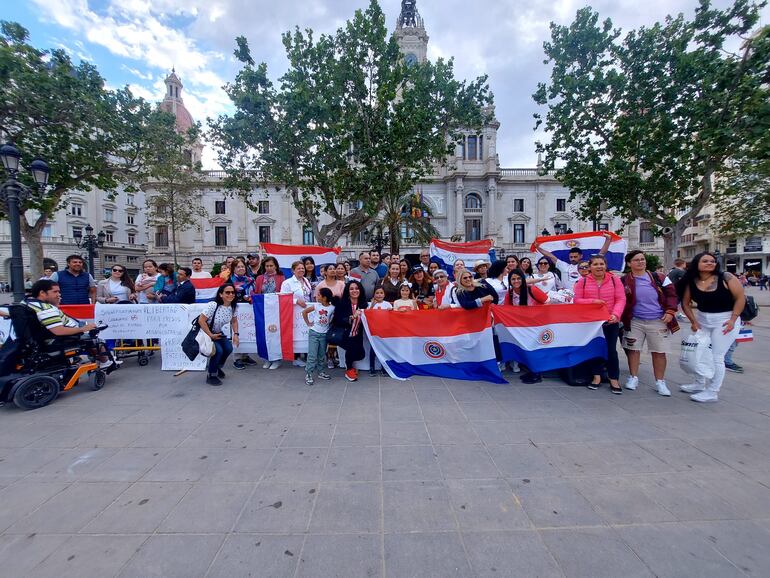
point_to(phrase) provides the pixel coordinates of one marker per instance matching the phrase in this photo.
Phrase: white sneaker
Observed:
(692, 387)
(106, 364)
(267, 364)
(516, 368)
(705, 396)
(501, 366)
(330, 364)
(632, 382)
(663, 390)
(298, 363)
(274, 365)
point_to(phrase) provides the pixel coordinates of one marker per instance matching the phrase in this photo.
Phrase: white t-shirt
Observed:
(141, 296)
(385, 306)
(200, 275)
(118, 290)
(569, 273)
(546, 281)
(500, 287)
(223, 319)
(320, 317)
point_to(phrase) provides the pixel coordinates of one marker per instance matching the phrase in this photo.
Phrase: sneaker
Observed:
(594, 386)
(515, 366)
(330, 364)
(213, 380)
(705, 396)
(734, 367)
(298, 363)
(531, 378)
(501, 366)
(238, 364)
(274, 365)
(106, 364)
(248, 360)
(350, 375)
(372, 373)
(221, 374)
(632, 382)
(662, 388)
(308, 379)
(692, 387)
(324, 375)
(267, 365)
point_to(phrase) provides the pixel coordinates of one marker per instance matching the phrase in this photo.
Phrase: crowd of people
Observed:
(642, 305)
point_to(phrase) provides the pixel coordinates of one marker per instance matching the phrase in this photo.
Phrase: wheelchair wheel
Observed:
(36, 391)
(98, 379)
(143, 360)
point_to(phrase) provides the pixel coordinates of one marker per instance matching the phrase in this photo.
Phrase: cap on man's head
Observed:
(252, 256)
(480, 263)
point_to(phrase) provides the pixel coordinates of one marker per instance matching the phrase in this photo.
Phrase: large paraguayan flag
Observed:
(448, 343)
(445, 253)
(590, 242)
(551, 336)
(287, 254)
(206, 289)
(274, 321)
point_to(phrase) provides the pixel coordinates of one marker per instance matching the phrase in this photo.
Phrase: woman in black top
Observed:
(720, 300)
(348, 316)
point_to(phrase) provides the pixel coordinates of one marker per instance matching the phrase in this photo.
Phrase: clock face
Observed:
(410, 59)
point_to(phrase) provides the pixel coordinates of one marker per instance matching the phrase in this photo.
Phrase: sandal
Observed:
(594, 386)
(616, 389)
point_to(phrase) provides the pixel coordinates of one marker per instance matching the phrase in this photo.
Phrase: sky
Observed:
(137, 42)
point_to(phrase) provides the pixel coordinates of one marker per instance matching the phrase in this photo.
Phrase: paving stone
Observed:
(23, 497)
(622, 499)
(404, 433)
(681, 456)
(356, 434)
(486, 505)
(517, 554)
(296, 464)
(208, 508)
(18, 462)
(163, 435)
(353, 464)
(425, 555)
(89, 557)
(523, 461)
(744, 543)
(466, 462)
(257, 555)
(417, 506)
(400, 412)
(182, 465)
(72, 464)
(452, 433)
(125, 465)
(550, 502)
(308, 435)
(409, 463)
(443, 413)
(171, 556)
(278, 507)
(241, 465)
(341, 556)
(348, 507)
(20, 553)
(246, 435)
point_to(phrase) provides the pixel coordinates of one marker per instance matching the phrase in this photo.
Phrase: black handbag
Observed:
(189, 344)
(336, 335)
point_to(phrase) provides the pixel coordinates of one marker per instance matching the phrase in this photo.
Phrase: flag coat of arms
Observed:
(274, 324)
(453, 344)
(551, 337)
(206, 289)
(445, 253)
(287, 254)
(590, 242)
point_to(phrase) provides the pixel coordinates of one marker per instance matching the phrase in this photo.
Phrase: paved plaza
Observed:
(158, 475)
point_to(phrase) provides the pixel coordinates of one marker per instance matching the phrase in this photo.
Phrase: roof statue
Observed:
(409, 16)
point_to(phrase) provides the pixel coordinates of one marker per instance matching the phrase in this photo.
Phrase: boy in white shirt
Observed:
(322, 311)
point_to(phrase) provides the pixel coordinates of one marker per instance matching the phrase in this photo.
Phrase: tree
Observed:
(646, 122)
(92, 138)
(174, 188)
(406, 211)
(349, 123)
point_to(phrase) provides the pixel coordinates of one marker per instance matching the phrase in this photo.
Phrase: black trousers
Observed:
(611, 331)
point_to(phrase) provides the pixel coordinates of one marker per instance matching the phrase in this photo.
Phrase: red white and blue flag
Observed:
(745, 335)
(551, 337)
(445, 253)
(287, 254)
(274, 321)
(206, 289)
(590, 242)
(450, 343)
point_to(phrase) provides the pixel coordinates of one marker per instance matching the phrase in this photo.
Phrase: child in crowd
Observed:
(378, 302)
(322, 311)
(406, 302)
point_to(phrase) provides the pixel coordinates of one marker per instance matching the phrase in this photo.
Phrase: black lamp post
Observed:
(12, 194)
(376, 238)
(545, 233)
(90, 243)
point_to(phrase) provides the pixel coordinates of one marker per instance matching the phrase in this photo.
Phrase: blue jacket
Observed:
(183, 293)
(75, 289)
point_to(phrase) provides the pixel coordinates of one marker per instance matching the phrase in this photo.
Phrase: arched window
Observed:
(473, 201)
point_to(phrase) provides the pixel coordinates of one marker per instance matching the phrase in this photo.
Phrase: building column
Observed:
(459, 194)
(492, 212)
(449, 208)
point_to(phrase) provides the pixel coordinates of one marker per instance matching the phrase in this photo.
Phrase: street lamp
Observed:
(376, 238)
(90, 243)
(545, 233)
(12, 194)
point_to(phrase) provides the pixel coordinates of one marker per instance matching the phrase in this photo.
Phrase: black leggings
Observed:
(354, 349)
(613, 365)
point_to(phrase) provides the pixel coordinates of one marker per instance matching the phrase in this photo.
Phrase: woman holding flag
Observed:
(300, 287)
(348, 317)
(270, 281)
(521, 294)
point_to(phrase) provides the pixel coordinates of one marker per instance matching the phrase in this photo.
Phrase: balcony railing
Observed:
(525, 173)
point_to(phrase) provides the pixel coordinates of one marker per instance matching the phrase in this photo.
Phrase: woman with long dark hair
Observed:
(348, 316)
(218, 314)
(720, 298)
(521, 294)
(525, 265)
(422, 287)
(392, 282)
(118, 288)
(497, 281)
(310, 274)
(145, 281)
(270, 278)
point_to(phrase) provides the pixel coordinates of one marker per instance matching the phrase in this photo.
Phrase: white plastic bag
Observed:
(696, 358)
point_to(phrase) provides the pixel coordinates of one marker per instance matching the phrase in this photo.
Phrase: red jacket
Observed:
(259, 282)
(611, 292)
(666, 298)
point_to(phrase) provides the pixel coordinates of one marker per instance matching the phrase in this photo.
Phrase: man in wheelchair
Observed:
(45, 356)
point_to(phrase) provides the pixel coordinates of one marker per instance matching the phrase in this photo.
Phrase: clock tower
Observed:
(410, 33)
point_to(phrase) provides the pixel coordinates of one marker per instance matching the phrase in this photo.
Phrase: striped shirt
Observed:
(49, 315)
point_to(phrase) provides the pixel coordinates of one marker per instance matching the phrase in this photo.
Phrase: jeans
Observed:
(711, 323)
(729, 354)
(316, 352)
(613, 365)
(223, 347)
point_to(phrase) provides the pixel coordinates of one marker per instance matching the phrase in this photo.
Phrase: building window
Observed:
(132, 259)
(308, 238)
(560, 228)
(77, 232)
(462, 148)
(481, 147)
(110, 258)
(472, 229)
(109, 215)
(264, 233)
(561, 205)
(473, 203)
(354, 206)
(752, 244)
(161, 210)
(732, 246)
(472, 148)
(518, 205)
(129, 219)
(263, 207)
(645, 233)
(518, 233)
(47, 231)
(131, 239)
(130, 200)
(220, 236)
(161, 236)
(76, 210)
(604, 226)
(109, 236)
(219, 207)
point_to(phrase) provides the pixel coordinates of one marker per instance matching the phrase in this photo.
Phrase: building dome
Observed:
(173, 103)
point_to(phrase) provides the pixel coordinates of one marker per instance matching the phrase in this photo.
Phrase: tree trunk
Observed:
(671, 243)
(33, 236)
(173, 235)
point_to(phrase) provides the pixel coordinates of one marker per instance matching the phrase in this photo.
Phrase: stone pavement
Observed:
(163, 476)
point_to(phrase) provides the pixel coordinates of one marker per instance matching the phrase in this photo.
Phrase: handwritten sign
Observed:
(300, 331)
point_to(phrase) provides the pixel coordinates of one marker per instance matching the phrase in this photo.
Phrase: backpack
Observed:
(750, 310)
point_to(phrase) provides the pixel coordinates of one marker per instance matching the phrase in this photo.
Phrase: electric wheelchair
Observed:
(36, 366)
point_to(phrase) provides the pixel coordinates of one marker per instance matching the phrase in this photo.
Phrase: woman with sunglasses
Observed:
(118, 288)
(471, 293)
(521, 294)
(217, 315)
(544, 278)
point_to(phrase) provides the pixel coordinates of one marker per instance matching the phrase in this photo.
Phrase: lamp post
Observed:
(90, 243)
(12, 194)
(376, 238)
(545, 232)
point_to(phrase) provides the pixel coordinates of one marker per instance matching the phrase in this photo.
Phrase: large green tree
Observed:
(348, 123)
(646, 122)
(408, 212)
(91, 137)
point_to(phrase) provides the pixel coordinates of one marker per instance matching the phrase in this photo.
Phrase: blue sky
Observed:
(136, 42)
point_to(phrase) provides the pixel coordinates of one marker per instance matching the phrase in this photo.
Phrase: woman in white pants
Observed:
(720, 300)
